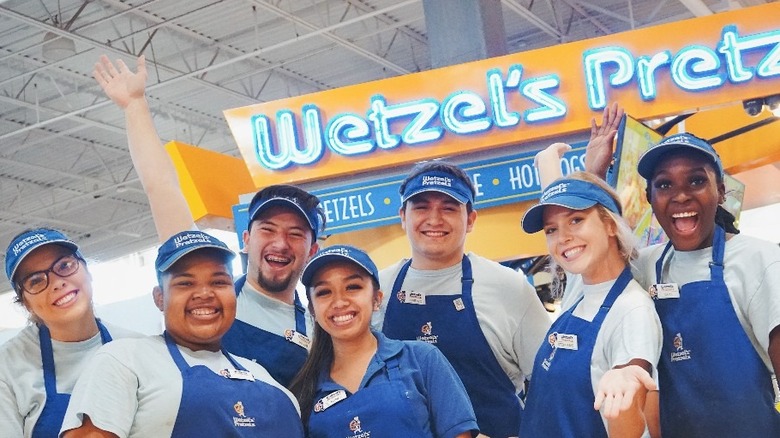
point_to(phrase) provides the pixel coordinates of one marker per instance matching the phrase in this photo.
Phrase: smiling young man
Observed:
(182, 383)
(271, 326)
(484, 317)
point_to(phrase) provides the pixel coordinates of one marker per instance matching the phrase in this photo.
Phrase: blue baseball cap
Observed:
(338, 253)
(259, 204)
(574, 194)
(181, 244)
(438, 181)
(649, 160)
(26, 242)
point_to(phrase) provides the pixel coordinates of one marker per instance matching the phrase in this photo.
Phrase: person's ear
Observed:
(378, 299)
(721, 193)
(157, 294)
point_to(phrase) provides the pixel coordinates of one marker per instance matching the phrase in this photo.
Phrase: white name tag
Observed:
(330, 400)
(297, 338)
(415, 297)
(663, 291)
(566, 341)
(458, 303)
(237, 375)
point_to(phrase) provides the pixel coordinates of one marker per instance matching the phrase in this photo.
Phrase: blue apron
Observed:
(214, 405)
(459, 337)
(560, 398)
(381, 409)
(281, 357)
(50, 420)
(713, 383)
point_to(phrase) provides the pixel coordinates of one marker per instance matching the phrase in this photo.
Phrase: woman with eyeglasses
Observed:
(40, 365)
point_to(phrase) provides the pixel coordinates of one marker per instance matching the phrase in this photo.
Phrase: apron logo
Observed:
(356, 429)
(681, 353)
(401, 296)
(552, 339)
(427, 334)
(242, 420)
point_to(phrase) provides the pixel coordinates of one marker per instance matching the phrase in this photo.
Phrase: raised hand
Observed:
(598, 153)
(548, 163)
(119, 83)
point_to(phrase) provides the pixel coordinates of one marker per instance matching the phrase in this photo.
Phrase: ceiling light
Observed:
(56, 47)
(753, 107)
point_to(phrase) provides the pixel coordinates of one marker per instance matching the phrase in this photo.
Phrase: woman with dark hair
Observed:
(357, 380)
(40, 365)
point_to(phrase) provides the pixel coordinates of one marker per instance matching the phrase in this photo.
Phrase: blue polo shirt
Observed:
(427, 385)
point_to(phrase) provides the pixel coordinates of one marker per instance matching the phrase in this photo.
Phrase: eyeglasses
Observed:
(38, 281)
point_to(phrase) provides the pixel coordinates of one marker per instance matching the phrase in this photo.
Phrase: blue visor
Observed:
(337, 253)
(28, 241)
(258, 206)
(649, 160)
(574, 194)
(442, 182)
(181, 244)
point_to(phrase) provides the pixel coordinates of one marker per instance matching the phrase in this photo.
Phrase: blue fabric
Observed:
(279, 356)
(438, 181)
(181, 244)
(50, 420)
(216, 406)
(570, 193)
(336, 253)
(28, 241)
(458, 335)
(648, 160)
(560, 398)
(408, 390)
(713, 383)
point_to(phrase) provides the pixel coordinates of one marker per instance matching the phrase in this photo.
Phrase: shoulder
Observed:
(741, 244)
(486, 270)
(26, 338)
(389, 273)
(118, 332)
(21, 350)
(133, 349)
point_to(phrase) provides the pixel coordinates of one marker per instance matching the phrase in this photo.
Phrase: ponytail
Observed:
(304, 385)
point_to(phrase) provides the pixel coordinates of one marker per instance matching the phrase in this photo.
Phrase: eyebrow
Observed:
(355, 276)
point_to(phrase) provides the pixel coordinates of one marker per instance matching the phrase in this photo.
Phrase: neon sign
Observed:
(419, 121)
(693, 68)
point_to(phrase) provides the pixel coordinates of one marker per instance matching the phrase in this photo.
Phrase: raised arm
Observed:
(155, 169)
(598, 153)
(548, 163)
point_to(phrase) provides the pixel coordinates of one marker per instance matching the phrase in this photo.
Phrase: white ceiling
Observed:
(63, 154)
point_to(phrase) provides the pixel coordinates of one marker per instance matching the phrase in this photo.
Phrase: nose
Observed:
(204, 291)
(434, 215)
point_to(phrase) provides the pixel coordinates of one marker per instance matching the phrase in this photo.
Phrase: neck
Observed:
(354, 350)
(76, 331)
(608, 269)
(286, 296)
(433, 264)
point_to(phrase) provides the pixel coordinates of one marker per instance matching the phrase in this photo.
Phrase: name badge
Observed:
(566, 342)
(663, 291)
(458, 303)
(330, 400)
(414, 297)
(297, 338)
(237, 375)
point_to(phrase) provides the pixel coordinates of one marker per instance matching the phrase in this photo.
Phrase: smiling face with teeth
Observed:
(65, 306)
(685, 192)
(343, 297)
(278, 244)
(583, 242)
(436, 225)
(198, 299)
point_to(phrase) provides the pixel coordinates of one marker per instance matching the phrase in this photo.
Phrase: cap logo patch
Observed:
(27, 241)
(554, 190)
(336, 250)
(441, 181)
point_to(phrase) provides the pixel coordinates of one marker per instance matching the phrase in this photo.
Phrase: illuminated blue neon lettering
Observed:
(418, 130)
(379, 115)
(645, 70)
(593, 61)
(732, 46)
(696, 68)
(502, 117)
(289, 150)
(464, 112)
(550, 107)
(348, 134)
(770, 65)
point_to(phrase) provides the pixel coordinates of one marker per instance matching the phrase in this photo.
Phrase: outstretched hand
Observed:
(598, 153)
(548, 163)
(619, 387)
(119, 83)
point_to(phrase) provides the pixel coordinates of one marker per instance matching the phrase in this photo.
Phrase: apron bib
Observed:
(50, 420)
(450, 323)
(382, 409)
(217, 406)
(560, 398)
(713, 383)
(280, 356)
